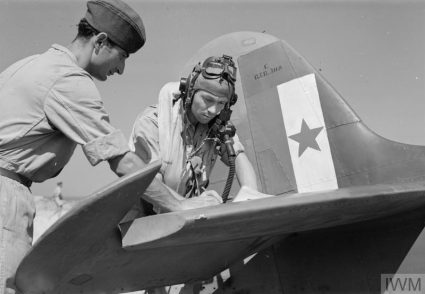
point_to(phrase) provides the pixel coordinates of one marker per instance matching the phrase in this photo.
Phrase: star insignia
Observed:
(306, 138)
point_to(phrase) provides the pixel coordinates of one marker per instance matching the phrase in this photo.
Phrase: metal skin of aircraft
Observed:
(348, 204)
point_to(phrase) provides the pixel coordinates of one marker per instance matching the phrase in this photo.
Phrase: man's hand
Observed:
(247, 193)
(207, 198)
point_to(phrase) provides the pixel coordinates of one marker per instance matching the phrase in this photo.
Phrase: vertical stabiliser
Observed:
(305, 132)
(287, 121)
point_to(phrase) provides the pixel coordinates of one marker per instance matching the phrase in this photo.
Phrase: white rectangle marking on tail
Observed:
(307, 135)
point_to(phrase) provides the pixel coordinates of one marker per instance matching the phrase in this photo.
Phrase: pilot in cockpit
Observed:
(187, 130)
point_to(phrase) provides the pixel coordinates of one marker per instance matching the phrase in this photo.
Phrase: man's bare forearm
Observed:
(157, 193)
(163, 197)
(245, 172)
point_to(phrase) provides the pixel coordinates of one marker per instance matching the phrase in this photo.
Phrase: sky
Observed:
(372, 52)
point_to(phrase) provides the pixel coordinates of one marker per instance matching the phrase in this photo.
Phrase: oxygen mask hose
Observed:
(224, 130)
(231, 156)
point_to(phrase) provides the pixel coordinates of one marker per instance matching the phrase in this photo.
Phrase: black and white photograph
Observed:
(212, 146)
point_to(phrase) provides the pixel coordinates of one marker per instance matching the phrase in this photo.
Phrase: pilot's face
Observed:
(205, 106)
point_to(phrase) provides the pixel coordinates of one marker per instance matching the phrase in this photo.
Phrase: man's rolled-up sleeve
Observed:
(106, 147)
(74, 107)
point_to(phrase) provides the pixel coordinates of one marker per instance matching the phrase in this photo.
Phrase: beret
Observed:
(122, 24)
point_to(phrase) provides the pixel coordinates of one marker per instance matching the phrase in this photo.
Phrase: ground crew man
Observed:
(179, 130)
(49, 104)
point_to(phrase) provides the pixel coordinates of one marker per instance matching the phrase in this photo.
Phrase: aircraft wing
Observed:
(273, 216)
(196, 244)
(192, 245)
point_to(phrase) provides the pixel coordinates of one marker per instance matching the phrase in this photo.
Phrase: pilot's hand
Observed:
(247, 193)
(207, 198)
(212, 194)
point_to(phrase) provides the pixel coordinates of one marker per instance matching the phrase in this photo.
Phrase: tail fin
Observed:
(298, 130)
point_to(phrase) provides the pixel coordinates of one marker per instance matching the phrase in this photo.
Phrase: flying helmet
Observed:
(216, 75)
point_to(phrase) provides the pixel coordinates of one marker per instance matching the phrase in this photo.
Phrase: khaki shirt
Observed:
(48, 106)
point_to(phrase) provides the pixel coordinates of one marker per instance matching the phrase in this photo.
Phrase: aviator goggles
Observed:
(222, 67)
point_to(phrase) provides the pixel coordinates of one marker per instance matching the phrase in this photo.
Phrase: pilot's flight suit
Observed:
(163, 131)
